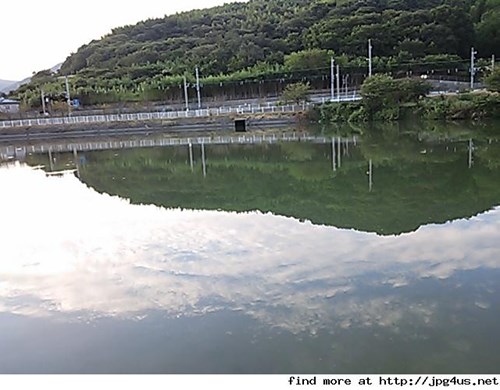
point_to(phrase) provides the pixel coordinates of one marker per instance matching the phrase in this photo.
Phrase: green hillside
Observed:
(275, 40)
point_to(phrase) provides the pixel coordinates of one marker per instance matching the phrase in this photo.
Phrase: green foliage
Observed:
(486, 15)
(338, 113)
(264, 40)
(383, 96)
(238, 36)
(462, 106)
(296, 93)
(492, 81)
(380, 97)
(312, 59)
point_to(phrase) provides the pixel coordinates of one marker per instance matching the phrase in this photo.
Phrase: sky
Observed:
(38, 35)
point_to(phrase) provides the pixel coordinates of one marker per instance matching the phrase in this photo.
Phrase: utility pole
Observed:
(472, 70)
(43, 102)
(370, 57)
(186, 94)
(198, 87)
(67, 95)
(345, 79)
(338, 83)
(332, 78)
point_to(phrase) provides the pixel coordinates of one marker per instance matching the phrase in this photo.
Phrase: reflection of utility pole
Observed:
(51, 161)
(203, 161)
(191, 155)
(471, 149)
(338, 152)
(333, 155)
(492, 62)
(370, 175)
(75, 158)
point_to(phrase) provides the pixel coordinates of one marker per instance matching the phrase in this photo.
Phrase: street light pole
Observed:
(338, 82)
(42, 95)
(472, 70)
(370, 57)
(332, 78)
(186, 94)
(67, 95)
(198, 87)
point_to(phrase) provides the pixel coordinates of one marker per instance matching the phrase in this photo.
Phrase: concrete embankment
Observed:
(167, 127)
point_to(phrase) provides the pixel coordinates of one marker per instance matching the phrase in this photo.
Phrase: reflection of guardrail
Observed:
(10, 152)
(62, 173)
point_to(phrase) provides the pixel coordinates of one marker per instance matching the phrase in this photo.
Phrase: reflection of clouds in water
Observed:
(66, 248)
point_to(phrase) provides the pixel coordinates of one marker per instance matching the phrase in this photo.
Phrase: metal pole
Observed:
(338, 82)
(369, 57)
(191, 155)
(186, 94)
(370, 175)
(75, 158)
(338, 152)
(43, 102)
(333, 155)
(67, 95)
(198, 87)
(471, 148)
(332, 78)
(204, 164)
(472, 70)
(51, 161)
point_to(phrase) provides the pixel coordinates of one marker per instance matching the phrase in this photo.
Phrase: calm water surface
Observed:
(266, 258)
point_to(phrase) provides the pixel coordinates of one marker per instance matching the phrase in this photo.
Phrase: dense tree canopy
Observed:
(268, 39)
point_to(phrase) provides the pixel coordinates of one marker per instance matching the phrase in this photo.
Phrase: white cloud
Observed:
(68, 249)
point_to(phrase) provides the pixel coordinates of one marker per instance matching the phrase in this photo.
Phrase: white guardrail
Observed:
(165, 115)
(147, 116)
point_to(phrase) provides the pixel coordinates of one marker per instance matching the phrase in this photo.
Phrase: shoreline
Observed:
(147, 127)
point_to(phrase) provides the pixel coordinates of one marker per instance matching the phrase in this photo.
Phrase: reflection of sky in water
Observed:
(67, 250)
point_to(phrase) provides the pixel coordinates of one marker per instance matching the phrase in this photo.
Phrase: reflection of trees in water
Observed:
(414, 182)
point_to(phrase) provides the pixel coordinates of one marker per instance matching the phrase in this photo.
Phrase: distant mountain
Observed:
(56, 68)
(5, 85)
(8, 86)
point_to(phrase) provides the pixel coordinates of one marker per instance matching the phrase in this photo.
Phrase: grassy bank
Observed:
(466, 106)
(387, 99)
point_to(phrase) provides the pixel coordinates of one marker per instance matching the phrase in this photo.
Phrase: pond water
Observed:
(375, 254)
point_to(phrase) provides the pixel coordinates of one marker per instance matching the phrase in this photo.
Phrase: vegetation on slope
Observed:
(272, 41)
